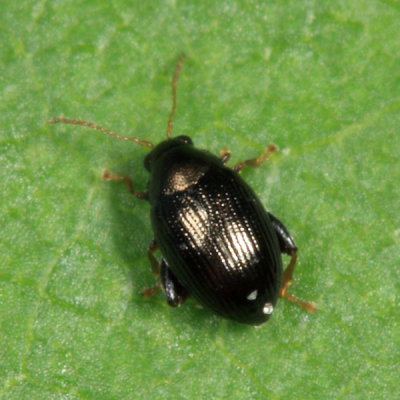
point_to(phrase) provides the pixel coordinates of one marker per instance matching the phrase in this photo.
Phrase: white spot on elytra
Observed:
(252, 295)
(268, 308)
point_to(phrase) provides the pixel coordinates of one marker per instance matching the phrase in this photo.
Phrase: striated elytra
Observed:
(218, 243)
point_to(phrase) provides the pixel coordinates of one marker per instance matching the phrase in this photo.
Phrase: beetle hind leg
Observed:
(175, 293)
(155, 267)
(287, 281)
(287, 246)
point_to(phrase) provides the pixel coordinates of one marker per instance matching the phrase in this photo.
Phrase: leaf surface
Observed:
(319, 80)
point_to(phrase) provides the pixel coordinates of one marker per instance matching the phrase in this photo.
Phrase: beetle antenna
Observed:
(91, 125)
(173, 87)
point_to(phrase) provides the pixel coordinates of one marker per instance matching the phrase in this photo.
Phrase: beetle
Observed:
(218, 243)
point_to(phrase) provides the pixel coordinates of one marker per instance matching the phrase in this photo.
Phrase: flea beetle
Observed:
(218, 243)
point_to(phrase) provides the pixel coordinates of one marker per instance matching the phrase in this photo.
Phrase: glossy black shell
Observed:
(213, 232)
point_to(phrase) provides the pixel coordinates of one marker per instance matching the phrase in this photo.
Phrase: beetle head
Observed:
(165, 146)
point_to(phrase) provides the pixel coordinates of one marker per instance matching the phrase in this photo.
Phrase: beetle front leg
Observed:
(287, 246)
(108, 176)
(256, 162)
(175, 293)
(224, 155)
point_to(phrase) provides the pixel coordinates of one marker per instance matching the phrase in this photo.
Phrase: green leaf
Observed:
(321, 80)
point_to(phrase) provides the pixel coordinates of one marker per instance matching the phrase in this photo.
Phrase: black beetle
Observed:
(218, 243)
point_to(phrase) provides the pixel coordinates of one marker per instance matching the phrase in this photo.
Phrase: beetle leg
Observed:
(224, 155)
(286, 242)
(175, 293)
(108, 176)
(256, 162)
(287, 246)
(151, 291)
(155, 267)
